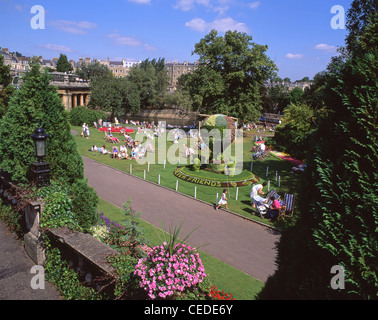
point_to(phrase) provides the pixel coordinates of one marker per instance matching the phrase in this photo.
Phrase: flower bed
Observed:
(167, 271)
(210, 182)
(162, 274)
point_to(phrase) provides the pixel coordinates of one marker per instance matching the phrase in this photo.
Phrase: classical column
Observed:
(74, 100)
(81, 99)
(66, 101)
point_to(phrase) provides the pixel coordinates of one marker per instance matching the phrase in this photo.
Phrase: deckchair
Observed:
(288, 207)
(261, 208)
(272, 193)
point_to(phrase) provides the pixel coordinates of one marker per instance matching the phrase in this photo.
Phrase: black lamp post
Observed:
(40, 169)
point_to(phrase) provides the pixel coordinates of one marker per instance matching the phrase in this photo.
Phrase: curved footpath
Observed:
(243, 244)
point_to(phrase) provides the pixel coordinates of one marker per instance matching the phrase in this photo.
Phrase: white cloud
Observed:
(130, 41)
(149, 47)
(186, 5)
(57, 47)
(221, 25)
(74, 27)
(141, 1)
(124, 40)
(197, 24)
(294, 56)
(254, 5)
(325, 47)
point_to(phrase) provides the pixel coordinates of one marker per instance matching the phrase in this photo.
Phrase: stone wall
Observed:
(84, 253)
(176, 114)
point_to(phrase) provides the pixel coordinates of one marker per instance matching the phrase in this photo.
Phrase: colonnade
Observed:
(71, 100)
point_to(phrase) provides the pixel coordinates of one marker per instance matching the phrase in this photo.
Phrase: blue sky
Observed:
(298, 33)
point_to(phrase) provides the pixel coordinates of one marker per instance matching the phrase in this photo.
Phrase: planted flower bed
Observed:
(184, 175)
(169, 271)
(163, 274)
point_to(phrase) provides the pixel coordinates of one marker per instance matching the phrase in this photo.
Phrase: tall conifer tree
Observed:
(339, 218)
(38, 101)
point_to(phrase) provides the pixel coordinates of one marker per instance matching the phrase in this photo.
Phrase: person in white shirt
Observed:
(256, 190)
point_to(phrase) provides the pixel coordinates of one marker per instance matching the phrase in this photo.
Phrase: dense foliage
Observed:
(6, 88)
(230, 76)
(339, 219)
(80, 115)
(38, 101)
(63, 65)
(293, 134)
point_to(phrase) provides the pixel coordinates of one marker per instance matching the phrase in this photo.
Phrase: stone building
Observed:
(119, 69)
(176, 69)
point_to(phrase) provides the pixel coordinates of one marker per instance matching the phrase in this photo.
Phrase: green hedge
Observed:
(81, 114)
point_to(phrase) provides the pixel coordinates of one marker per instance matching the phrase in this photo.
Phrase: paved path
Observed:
(15, 276)
(243, 244)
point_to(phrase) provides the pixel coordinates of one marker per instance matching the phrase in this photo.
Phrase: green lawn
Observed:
(242, 206)
(224, 276)
(227, 278)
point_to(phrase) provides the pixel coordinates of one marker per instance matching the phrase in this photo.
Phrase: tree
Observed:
(276, 98)
(150, 79)
(35, 101)
(295, 95)
(92, 71)
(360, 23)
(106, 94)
(6, 88)
(63, 65)
(293, 134)
(116, 95)
(339, 217)
(230, 75)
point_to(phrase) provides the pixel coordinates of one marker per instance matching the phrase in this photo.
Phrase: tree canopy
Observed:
(6, 88)
(63, 65)
(339, 192)
(230, 75)
(38, 101)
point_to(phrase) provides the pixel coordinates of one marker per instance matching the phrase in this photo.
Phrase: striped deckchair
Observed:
(272, 193)
(288, 207)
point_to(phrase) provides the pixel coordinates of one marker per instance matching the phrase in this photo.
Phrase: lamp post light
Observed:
(41, 169)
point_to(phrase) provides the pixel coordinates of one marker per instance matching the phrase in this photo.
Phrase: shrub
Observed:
(58, 208)
(84, 202)
(81, 114)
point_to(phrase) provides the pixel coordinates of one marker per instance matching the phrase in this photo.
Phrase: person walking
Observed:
(222, 201)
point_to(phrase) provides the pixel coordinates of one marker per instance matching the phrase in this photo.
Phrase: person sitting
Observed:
(123, 154)
(300, 168)
(103, 150)
(260, 152)
(114, 153)
(133, 153)
(274, 209)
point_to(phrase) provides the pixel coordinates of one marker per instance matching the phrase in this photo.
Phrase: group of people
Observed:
(256, 192)
(85, 130)
(260, 151)
(274, 207)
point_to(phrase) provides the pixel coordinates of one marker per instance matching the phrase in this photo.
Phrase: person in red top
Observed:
(274, 209)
